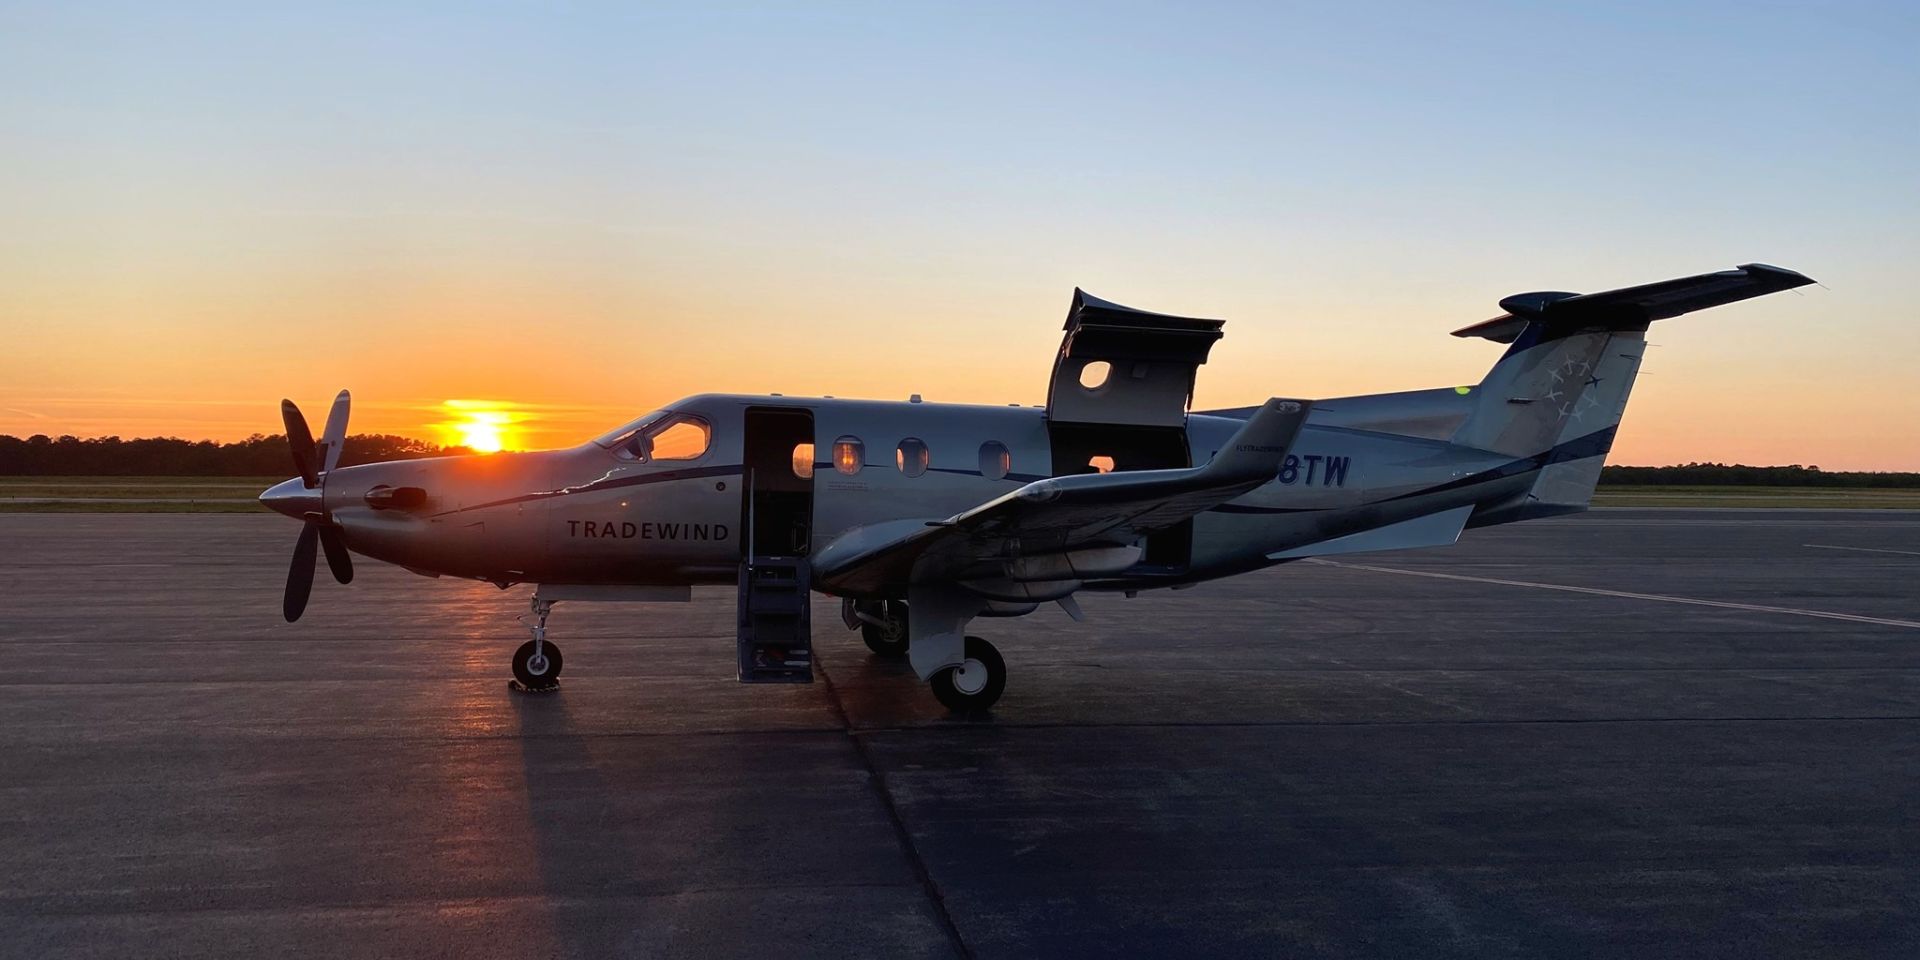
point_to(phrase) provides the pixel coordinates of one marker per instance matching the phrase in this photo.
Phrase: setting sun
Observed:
(483, 426)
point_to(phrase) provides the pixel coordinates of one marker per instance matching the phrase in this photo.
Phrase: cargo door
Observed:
(1118, 400)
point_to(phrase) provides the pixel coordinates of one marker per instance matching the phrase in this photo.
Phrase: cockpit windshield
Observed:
(614, 437)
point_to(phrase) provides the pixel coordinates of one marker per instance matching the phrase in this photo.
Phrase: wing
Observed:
(1632, 308)
(1056, 516)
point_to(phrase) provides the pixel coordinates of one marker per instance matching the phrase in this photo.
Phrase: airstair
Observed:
(775, 623)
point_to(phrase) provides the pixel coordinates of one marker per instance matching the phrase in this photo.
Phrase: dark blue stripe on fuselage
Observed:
(611, 483)
(691, 473)
(1015, 477)
(1594, 444)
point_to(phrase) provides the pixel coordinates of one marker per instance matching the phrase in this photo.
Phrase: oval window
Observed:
(1094, 375)
(996, 461)
(803, 461)
(911, 457)
(849, 455)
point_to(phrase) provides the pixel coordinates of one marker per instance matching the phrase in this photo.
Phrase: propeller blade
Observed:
(337, 559)
(334, 437)
(300, 574)
(300, 440)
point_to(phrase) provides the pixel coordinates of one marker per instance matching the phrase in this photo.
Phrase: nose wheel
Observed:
(536, 665)
(976, 683)
(883, 627)
(537, 669)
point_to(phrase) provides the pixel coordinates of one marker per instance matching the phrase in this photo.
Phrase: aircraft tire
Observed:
(546, 677)
(976, 684)
(890, 640)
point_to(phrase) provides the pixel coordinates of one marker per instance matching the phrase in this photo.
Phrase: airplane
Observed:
(922, 517)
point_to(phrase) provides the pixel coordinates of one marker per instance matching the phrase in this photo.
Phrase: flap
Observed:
(1150, 363)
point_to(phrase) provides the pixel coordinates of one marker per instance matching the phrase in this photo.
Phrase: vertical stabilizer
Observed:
(1549, 390)
(1557, 400)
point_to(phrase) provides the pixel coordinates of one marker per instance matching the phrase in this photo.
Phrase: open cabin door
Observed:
(774, 629)
(1118, 400)
(776, 490)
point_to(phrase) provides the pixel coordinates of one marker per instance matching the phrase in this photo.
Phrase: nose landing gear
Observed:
(536, 665)
(882, 625)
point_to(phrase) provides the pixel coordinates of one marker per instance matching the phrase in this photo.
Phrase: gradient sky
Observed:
(589, 210)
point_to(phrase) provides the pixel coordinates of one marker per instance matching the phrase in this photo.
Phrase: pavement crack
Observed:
(918, 864)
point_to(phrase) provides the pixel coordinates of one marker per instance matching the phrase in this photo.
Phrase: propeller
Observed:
(319, 532)
(301, 440)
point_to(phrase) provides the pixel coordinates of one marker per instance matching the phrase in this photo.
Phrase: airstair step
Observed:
(775, 621)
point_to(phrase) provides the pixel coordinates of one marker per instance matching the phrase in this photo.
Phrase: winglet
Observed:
(1258, 448)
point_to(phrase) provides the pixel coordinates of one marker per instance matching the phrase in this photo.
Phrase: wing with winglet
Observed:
(1037, 531)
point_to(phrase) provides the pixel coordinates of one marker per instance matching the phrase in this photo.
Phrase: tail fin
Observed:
(1558, 393)
(1552, 390)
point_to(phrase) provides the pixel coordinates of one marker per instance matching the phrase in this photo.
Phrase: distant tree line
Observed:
(1741, 475)
(256, 456)
(266, 456)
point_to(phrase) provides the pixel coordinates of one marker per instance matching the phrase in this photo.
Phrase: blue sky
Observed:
(888, 198)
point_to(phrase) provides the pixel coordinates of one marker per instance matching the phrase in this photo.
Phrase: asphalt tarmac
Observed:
(1631, 733)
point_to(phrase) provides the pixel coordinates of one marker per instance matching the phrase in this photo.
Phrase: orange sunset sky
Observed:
(570, 219)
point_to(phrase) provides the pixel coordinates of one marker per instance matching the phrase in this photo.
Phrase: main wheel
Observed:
(890, 640)
(537, 674)
(976, 683)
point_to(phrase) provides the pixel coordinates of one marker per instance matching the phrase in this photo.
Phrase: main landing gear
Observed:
(536, 665)
(974, 685)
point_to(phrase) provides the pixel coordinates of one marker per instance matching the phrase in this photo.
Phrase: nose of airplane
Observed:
(292, 498)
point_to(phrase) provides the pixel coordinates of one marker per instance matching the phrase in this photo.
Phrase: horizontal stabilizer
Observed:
(1632, 308)
(1433, 530)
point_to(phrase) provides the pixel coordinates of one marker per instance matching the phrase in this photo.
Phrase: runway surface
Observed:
(1708, 747)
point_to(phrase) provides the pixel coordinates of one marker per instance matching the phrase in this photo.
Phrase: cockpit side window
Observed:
(624, 433)
(677, 437)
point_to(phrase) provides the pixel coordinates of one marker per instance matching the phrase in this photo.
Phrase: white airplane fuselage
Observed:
(588, 515)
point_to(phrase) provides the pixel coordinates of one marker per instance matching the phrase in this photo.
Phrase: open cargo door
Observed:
(1119, 395)
(1124, 366)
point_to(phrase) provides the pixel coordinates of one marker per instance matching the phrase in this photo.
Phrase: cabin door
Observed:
(776, 507)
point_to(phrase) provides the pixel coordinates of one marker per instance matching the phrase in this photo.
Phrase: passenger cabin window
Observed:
(849, 455)
(1101, 463)
(803, 461)
(911, 457)
(680, 437)
(996, 461)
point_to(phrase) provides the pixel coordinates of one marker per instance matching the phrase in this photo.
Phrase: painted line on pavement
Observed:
(1595, 591)
(1829, 546)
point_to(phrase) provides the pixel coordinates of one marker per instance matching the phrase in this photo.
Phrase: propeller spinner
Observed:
(304, 498)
